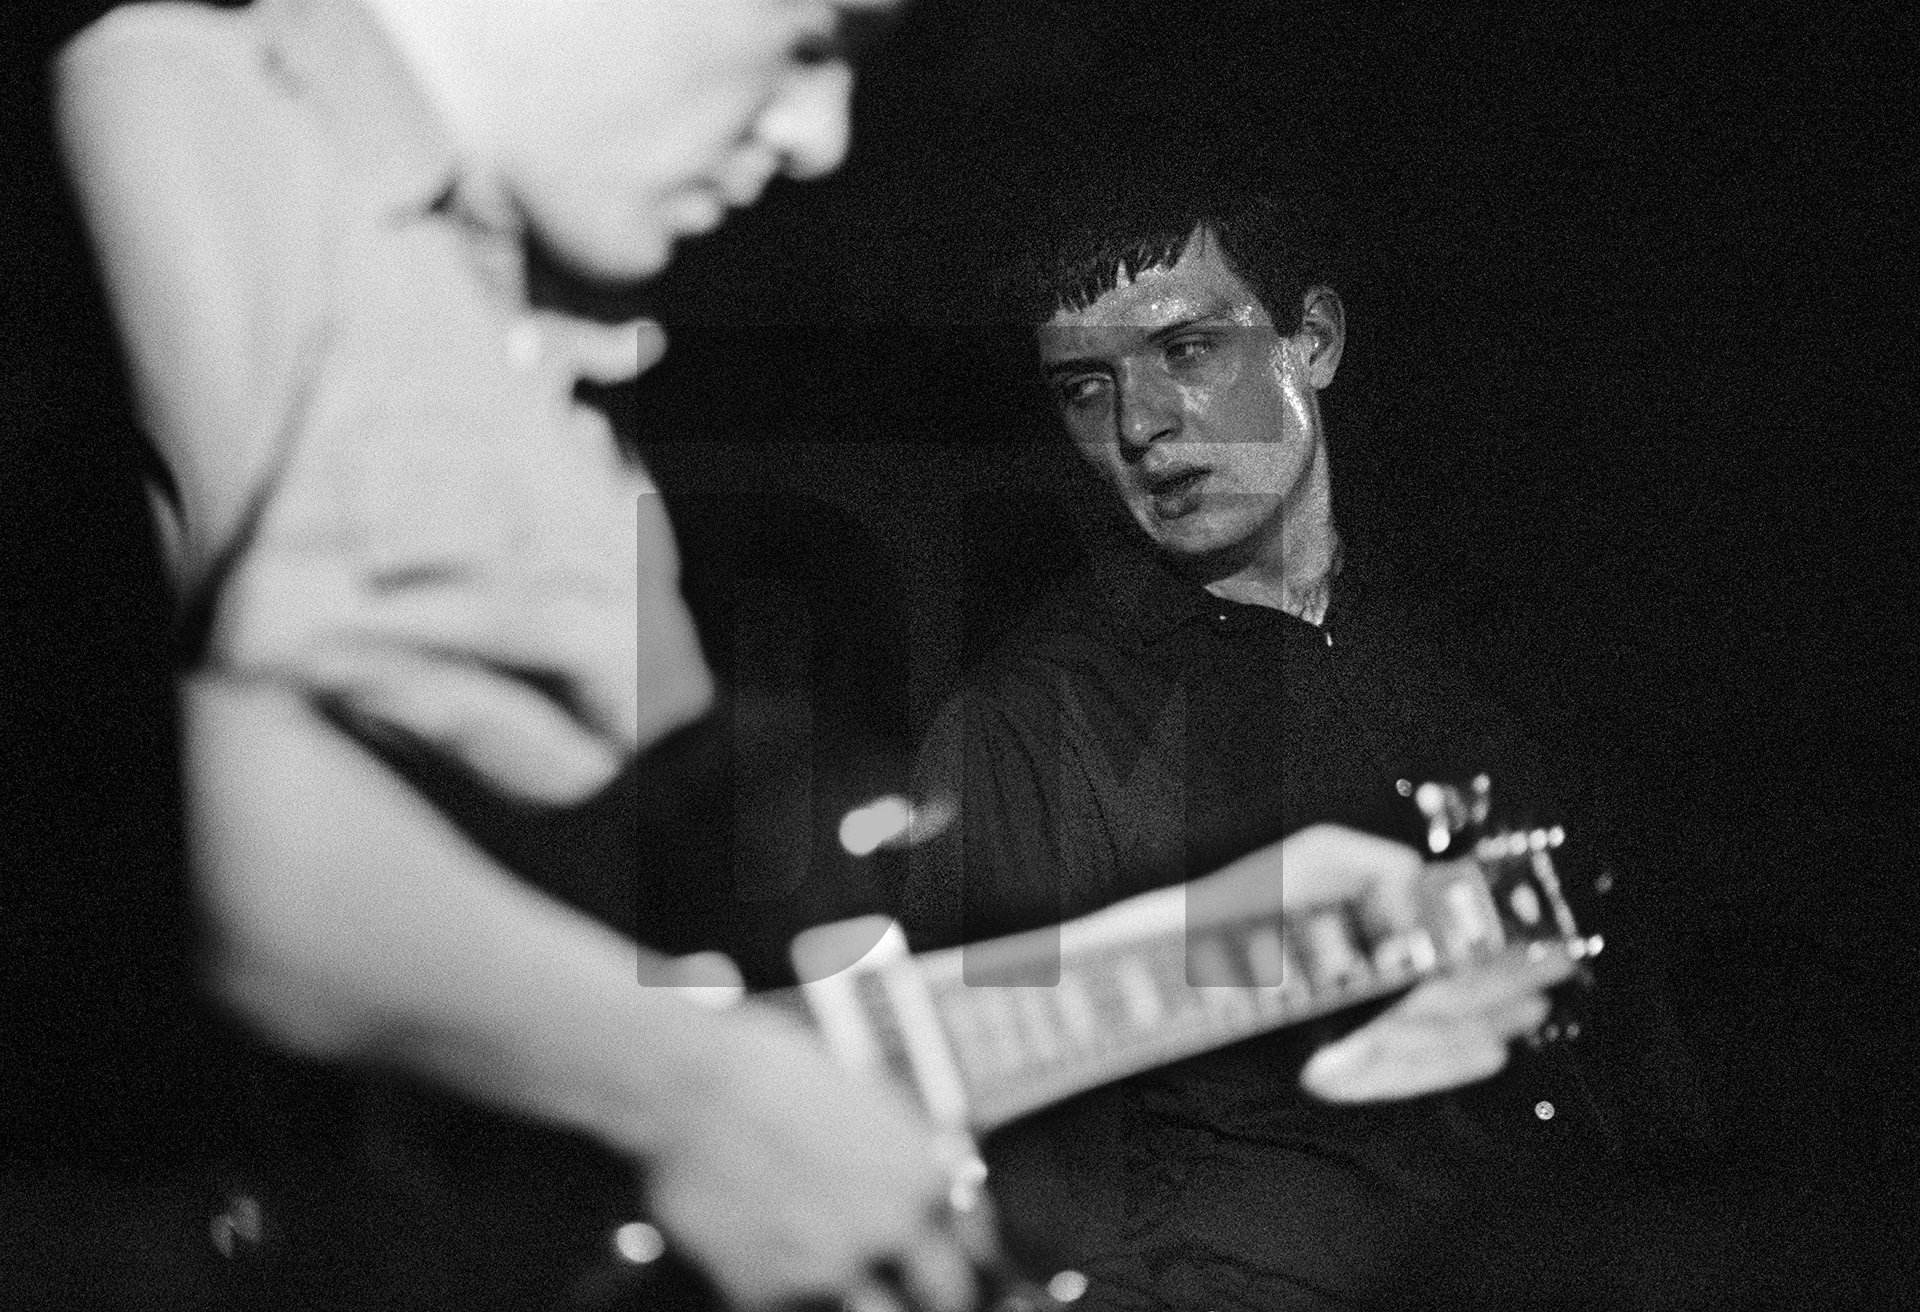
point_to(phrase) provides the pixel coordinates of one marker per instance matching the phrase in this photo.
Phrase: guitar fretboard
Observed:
(989, 1032)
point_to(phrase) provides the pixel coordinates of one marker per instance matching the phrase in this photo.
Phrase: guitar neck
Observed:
(989, 1032)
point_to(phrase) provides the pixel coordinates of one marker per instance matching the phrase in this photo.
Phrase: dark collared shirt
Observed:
(1137, 731)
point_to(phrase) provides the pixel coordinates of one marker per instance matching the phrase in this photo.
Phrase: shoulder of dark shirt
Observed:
(1067, 626)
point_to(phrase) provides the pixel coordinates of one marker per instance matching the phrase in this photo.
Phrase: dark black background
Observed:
(1625, 377)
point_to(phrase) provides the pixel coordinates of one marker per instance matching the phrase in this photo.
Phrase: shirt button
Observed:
(1543, 1109)
(240, 1227)
(639, 1243)
(1067, 1286)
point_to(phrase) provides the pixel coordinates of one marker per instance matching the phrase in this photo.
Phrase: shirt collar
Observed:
(1151, 601)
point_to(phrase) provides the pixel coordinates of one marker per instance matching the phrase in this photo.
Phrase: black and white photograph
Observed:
(956, 656)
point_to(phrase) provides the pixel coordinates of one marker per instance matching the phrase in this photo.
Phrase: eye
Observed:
(1079, 393)
(1189, 350)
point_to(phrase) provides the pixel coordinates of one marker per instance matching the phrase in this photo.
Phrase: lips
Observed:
(1174, 492)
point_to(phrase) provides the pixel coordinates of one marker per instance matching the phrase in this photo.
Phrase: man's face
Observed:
(621, 126)
(1176, 387)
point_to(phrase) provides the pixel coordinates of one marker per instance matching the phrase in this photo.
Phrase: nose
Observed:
(1149, 410)
(808, 125)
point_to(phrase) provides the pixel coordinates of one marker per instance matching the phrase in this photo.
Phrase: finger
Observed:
(875, 1296)
(1317, 865)
(977, 1232)
(650, 343)
(1501, 1016)
(1332, 863)
(1516, 973)
(551, 618)
(937, 1276)
(1444, 1002)
(606, 353)
(510, 734)
(566, 647)
(1404, 1061)
(1447, 1032)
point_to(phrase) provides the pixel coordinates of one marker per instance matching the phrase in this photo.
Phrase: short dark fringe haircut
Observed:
(1127, 221)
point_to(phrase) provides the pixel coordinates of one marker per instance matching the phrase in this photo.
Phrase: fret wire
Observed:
(883, 1025)
(1076, 1009)
(929, 1053)
(1030, 1007)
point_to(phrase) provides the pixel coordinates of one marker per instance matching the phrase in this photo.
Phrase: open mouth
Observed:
(1176, 492)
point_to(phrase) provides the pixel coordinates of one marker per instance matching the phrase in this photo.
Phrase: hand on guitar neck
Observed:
(792, 1180)
(1451, 1030)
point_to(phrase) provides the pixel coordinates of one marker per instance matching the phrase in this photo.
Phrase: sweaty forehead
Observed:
(1197, 288)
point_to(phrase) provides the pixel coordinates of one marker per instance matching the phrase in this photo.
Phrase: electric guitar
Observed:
(1135, 987)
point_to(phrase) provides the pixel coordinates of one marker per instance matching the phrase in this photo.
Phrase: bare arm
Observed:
(352, 923)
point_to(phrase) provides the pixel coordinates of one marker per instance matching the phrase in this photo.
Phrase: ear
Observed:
(1322, 335)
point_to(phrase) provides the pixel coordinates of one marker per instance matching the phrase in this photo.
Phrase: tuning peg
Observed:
(1441, 806)
(1482, 804)
(1451, 810)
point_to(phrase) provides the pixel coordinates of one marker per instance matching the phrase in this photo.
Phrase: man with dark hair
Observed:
(1276, 244)
(1226, 668)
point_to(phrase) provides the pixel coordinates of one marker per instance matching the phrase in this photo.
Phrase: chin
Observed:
(612, 254)
(1191, 546)
(1196, 536)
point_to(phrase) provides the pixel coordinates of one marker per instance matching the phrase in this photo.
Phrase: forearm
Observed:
(352, 922)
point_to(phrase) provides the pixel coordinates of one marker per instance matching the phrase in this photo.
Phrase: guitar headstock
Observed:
(1499, 885)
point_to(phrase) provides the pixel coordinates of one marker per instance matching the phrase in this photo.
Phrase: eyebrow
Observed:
(1215, 309)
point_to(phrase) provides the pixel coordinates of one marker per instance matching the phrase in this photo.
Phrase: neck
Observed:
(1295, 572)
